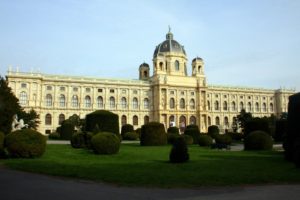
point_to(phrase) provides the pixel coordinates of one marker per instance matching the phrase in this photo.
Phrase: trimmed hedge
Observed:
(106, 121)
(130, 136)
(25, 143)
(188, 139)
(2, 136)
(213, 131)
(236, 136)
(67, 130)
(54, 136)
(280, 130)
(172, 137)
(153, 134)
(78, 140)
(193, 132)
(173, 130)
(126, 128)
(138, 132)
(223, 139)
(105, 143)
(179, 151)
(205, 140)
(256, 124)
(258, 140)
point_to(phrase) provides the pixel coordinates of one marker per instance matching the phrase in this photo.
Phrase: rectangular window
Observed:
(62, 89)
(23, 85)
(49, 87)
(75, 89)
(87, 89)
(192, 93)
(100, 90)
(172, 92)
(111, 91)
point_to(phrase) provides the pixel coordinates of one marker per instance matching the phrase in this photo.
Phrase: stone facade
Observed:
(168, 96)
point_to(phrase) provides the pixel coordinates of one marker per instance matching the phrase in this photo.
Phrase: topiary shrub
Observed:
(193, 132)
(173, 130)
(172, 137)
(280, 129)
(213, 131)
(78, 140)
(153, 134)
(236, 136)
(258, 140)
(256, 124)
(54, 136)
(106, 121)
(296, 153)
(130, 136)
(25, 143)
(88, 138)
(126, 128)
(138, 132)
(105, 143)
(223, 139)
(2, 152)
(188, 139)
(67, 130)
(179, 151)
(205, 140)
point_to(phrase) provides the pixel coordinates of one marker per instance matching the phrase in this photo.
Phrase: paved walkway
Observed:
(16, 185)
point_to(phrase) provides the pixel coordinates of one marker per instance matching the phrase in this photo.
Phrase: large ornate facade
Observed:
(169, 96)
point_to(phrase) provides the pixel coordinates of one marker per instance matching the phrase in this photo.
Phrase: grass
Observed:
(149, 166)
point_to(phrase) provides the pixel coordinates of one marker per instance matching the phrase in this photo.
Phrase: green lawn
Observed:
(149, 166)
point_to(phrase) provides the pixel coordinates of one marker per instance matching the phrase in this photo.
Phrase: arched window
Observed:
(135, 120)
(271, 107)
(233, 106)
(241, 105)
(48, 100)
(87, 101)
(192, 104)
(264, 107)
(208, 105)
(208, 121)
(146, 103)
(124, 102)
(112, 102)
(61, 118)
(177, 65)
(256, 107)
(146, 119)
(172, 121)
(226, 122)
(135, 103)
(62, 100)
(100, 102)
(172, 103)
(48, 119)
(225, 105)
(23, 98)
(192, 120)
(74, 101)
(216, 105)
(161, 66)
(249, 107)
(182, 103)
(218, 121)
(124, 120)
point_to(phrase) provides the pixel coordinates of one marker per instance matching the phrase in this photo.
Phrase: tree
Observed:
(9, 106)
(242, 118)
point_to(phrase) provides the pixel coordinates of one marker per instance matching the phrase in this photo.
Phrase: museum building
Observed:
(169, 96)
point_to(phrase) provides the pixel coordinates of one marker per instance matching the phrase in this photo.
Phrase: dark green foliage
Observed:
(256, 124)
(25, 143)
(105, 143)
(194, 132)
(106, 120)
(67, 130)
(258, 140)
(32, 119)
(173, 130)
(126, 128)
(75, 120)
(130, 136)
(205, 140)
(153, 134)
(296, 153)
(78, 140)
(236, 136)
(54, 136)
(191, 126)
(2, 152)
(172, 137)
(280, 130)
(138, 132)
(213, 131)
(88, 138)
(179, 151)
(9, 106)
(242, 118)
(223, 139)
(188, 139)
(293, 129)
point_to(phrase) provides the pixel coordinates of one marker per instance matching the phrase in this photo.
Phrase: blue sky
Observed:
(253, 43)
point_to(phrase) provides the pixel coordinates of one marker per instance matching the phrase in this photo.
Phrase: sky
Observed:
(251, 43)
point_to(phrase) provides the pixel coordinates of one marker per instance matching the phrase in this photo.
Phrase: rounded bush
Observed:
(188, 139)
(67, 130)
(213, 131)
(25, 143)
(54, 136)
(223, 139)
(179, 151)
(130, 136)
(126, 128)
(105, 120)
(78, 140)
(172, 137)
(256, 124)
(258, 140)
(153, 134)
(173, 130)
(205, 140)
(193, 132)
(105, 143)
